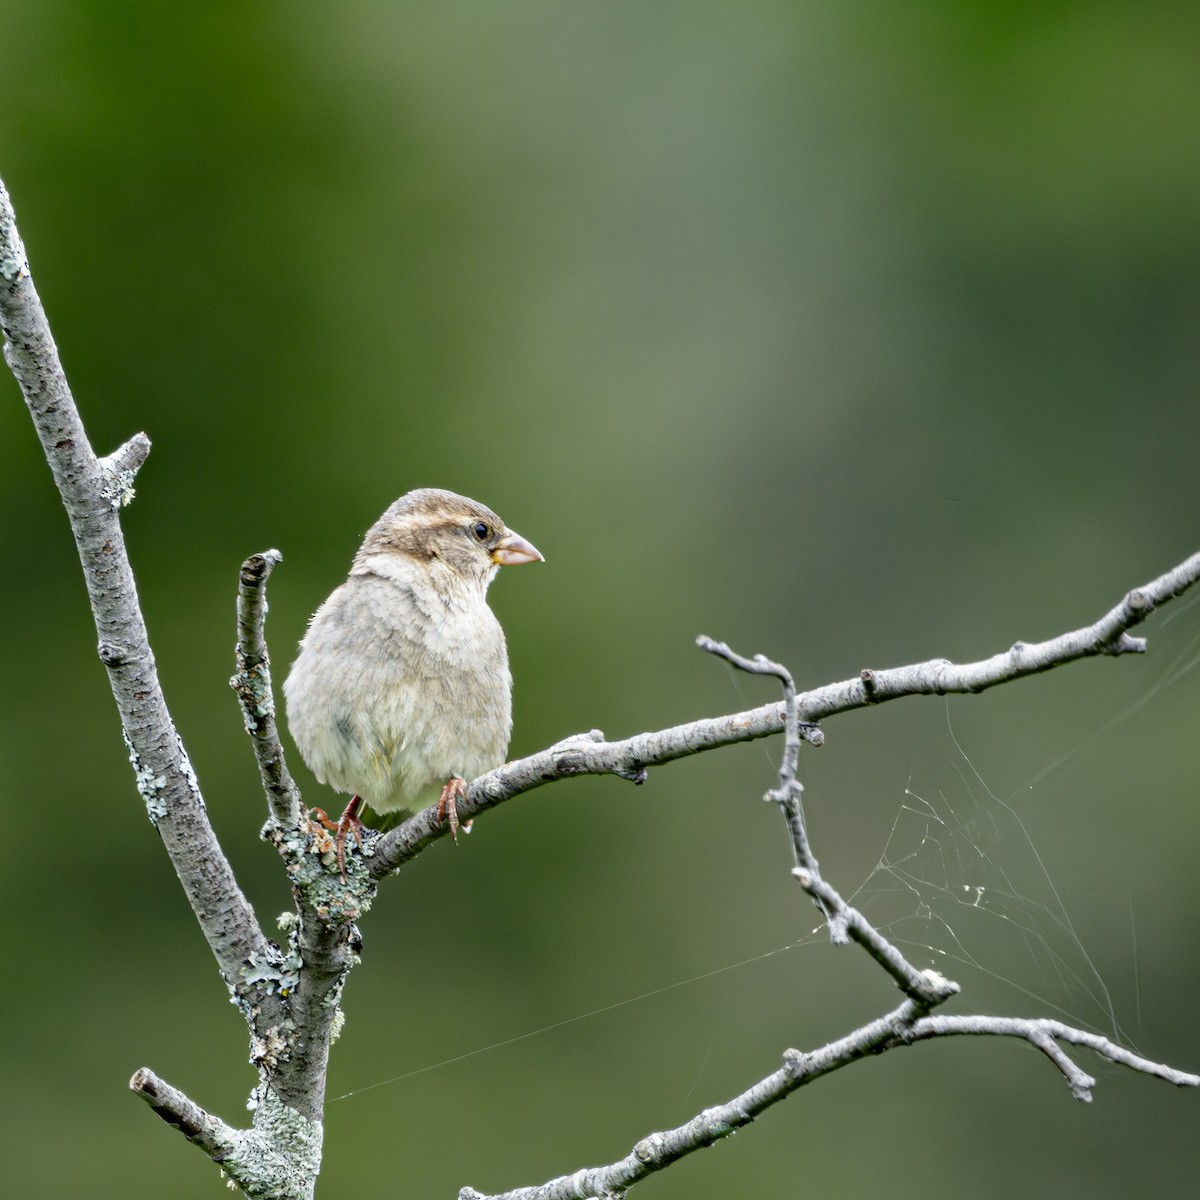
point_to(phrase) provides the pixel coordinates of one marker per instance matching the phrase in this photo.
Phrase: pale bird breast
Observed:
(397, 688)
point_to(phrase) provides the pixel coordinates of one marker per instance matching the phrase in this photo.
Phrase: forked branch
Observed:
(911, 1022)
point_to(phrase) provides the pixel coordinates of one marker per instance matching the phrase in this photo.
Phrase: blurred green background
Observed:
(853, 334)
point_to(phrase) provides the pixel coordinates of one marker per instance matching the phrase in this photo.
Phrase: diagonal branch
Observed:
(93, 492)
(278, 1158)
(913, 1021)
(901, 1027)
(590, 754)
(201, 1128)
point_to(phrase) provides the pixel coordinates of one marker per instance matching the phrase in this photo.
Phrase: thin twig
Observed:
(252, 683)
(279, 1158)
(1044, 1033)
(789, 795)
(927, 989)
(322, 940)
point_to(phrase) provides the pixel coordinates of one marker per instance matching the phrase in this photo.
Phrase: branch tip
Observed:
(257, 568)
(120, 468)
(143, 1081)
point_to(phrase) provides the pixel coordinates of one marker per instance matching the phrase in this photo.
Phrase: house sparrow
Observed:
(401, 690)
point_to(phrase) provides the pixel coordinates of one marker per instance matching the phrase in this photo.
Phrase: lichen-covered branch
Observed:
(252, 683)
(277, 1159)
(201, 1128)
(93, 492)
(257, 972)
(322, 938)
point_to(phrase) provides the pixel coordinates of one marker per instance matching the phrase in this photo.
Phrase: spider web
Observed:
(960, 886)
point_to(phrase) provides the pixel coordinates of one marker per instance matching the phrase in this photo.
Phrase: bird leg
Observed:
(447, 806)
(349, 823)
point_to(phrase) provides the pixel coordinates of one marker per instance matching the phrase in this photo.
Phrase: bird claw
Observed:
(348, 823)
(447, 806)
(322, 818)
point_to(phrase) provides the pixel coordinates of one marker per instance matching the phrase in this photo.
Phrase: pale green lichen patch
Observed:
(336, 1026)
(280, 972)
(253, 687)
(310, 859)
(280, 1157)
(119, 490)
(150, 784)
(185, 769)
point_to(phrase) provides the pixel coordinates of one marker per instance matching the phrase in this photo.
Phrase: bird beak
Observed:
(512, 550)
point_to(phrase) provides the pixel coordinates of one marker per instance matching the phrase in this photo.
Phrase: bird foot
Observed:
(347, 824)
(447, 806)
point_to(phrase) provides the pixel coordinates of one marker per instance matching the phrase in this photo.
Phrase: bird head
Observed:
(436, 527)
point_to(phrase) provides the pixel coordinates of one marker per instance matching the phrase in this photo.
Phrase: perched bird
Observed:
(401, 690)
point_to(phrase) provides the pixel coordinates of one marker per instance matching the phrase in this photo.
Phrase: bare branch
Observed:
(210, 1133)
(282, 1152)
(323, 941)
(901, 1027)
(590, 754)
(911, 1022)
(290, 996)
(926, 989)
(789, 795)
(1045, 1035)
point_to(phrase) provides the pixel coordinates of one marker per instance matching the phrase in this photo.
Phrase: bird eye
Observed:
(480, 530)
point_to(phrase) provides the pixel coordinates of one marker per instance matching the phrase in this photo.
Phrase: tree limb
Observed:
(256, 972)
(590, 754)
(901, 1027)
(279, 1158)
(93, 492)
